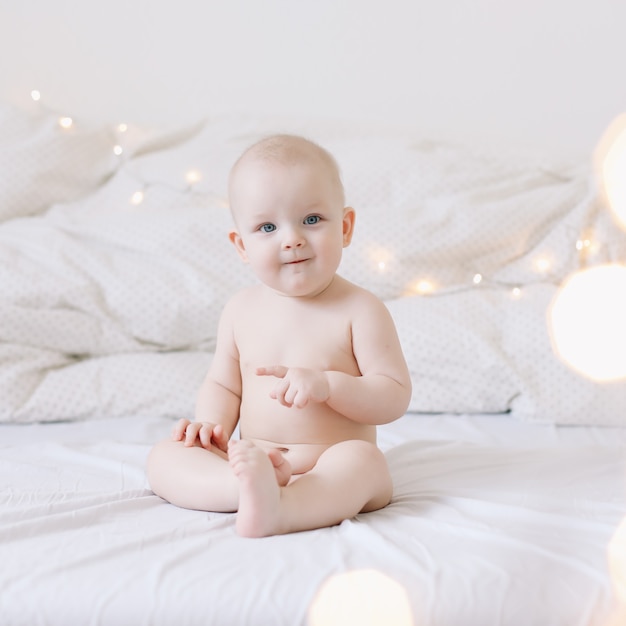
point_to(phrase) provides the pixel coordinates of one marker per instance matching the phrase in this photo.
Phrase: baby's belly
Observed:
(301, 456)
(300, 434)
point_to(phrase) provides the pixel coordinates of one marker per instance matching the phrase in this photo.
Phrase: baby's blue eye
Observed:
(268, 228)
(312, 219)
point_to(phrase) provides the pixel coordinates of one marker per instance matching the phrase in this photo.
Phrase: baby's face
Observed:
(291, 224)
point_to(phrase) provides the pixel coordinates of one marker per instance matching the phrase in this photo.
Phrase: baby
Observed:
(306, 363)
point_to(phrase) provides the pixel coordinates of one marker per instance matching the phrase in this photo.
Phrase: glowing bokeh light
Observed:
(422, 287)
(587, 322)
(137, 198)
(610, 160)
(364, 597)
(193, 176)
(380, 258)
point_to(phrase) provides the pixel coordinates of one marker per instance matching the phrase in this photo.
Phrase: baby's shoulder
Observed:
(359, 295)
(364, 308)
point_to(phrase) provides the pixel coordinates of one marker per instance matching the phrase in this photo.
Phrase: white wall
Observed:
(534, 74)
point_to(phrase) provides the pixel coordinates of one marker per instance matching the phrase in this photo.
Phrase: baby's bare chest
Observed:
(318, 340)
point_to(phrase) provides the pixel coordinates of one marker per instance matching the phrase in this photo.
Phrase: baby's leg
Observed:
(259, 492)
(192, 477)
(349, 477)
(195, 478)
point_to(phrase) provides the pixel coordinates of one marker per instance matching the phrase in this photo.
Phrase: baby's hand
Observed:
(206, 433)
(297, 385)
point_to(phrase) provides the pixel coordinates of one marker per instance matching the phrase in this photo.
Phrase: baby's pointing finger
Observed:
(279, 371)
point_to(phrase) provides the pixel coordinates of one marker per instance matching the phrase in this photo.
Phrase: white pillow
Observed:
(548, 390)
(143, 265)
(452, 346)
(436, 215)
(42, 163)
(46, 158)
(488, 350)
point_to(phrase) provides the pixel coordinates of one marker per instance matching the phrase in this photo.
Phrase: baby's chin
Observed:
(303, 290)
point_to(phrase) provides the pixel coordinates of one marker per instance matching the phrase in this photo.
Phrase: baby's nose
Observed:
(293, 239)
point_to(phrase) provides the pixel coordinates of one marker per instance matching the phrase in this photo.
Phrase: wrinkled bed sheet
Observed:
(493, 522)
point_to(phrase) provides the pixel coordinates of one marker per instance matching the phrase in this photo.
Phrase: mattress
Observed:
(493, 521)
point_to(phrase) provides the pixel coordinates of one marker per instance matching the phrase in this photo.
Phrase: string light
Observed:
(612, 158)
(423, 287)
(542, 264)
(193, 176)
(137, 198)
(66, 122)
(380, 258)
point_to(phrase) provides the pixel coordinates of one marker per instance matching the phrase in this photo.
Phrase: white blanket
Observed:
(109, 302)
(503, 526)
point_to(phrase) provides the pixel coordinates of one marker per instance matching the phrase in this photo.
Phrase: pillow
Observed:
(112, 307)
(549, 391)
(46, 158)
(433, 216)
(42, 162)
(142, 266)
(43, 386)
(452, 345)
(487, 350)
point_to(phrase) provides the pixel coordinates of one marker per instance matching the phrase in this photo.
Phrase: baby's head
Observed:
(286, 151)
(287, 202)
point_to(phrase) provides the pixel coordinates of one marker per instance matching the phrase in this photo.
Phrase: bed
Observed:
(509, 468)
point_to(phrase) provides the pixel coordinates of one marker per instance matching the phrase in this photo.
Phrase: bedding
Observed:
(493, 521)
(110, 300)
(509, 468)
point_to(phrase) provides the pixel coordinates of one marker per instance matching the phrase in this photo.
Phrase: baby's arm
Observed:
(219, 397)
(383, 391)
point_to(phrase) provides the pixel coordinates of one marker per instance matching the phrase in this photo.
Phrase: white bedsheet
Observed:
(493, 521)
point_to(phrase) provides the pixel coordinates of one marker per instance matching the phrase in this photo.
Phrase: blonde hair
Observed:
(290, 150)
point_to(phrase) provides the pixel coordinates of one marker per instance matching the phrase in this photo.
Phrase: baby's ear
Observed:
(349, 217)
(237, 241)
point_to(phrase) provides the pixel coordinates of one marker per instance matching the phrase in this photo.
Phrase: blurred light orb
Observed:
(365, 597)
(193, 177)
(587, 322)
(611, 167)
(617, 562)
(421, 287)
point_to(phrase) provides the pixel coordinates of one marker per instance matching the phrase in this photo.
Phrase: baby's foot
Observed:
(259, 493)
(282, 468)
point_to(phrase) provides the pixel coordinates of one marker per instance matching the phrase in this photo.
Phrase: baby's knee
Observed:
(373, 470)
(157, 458)
(364, 455)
